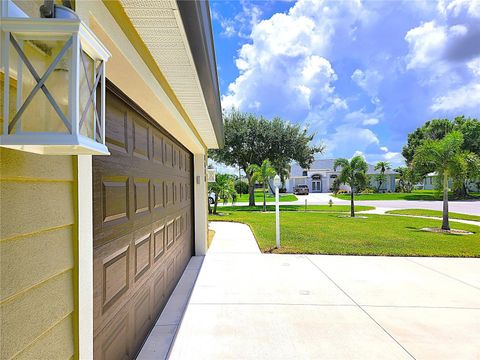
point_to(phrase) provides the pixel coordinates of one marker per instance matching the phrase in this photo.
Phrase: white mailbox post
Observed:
(277, 216)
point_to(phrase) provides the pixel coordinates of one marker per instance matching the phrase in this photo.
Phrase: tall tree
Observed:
(353, 173)
(449, 160)
(283, 171)
(381, 166)
(437, 129)
(262, 174)
(250, 140)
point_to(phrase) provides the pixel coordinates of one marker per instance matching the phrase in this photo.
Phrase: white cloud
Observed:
(446, 51)
(242, 23)
(384, 148)
(427, 44)
(474, 67)
(394, 158)
(358, 153)
(364, 118)
(286, 62)
(455, 7)
(370, 121)
(437, 44)
(391, 155)
(347, 139)
(465, 97)
(368, 80)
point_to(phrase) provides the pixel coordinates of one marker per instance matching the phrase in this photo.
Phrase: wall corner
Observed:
(84, 265)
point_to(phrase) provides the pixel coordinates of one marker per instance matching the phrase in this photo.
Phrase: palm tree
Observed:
(353, 173)
(382, 166)
(449, 161)
(223, 188)
(263, 174)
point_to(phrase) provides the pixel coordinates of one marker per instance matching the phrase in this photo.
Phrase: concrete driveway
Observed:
(248, 305)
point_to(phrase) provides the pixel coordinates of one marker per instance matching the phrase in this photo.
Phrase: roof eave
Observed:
(196, 20)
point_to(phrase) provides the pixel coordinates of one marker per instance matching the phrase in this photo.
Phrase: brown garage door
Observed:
(143, 232)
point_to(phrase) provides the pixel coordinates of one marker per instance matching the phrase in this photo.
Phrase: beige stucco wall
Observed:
(37, 237)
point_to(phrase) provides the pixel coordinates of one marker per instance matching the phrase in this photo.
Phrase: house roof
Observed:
(327, 165)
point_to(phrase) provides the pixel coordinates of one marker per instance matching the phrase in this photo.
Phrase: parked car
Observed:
(301, 190)
(211, 198)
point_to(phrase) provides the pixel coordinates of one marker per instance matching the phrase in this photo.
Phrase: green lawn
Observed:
(327, 233)
(434, 213)
(270, 198)
(428, 195)
(317, 208)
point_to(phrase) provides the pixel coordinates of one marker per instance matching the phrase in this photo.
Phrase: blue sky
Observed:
(360, 74)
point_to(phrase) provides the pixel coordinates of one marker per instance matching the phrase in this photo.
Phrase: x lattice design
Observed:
(40, 84)
(99, 72)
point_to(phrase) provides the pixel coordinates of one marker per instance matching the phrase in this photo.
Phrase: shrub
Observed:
(335, 186)
(367, 191)
(282, 190)
(342, 191)
(241, 187)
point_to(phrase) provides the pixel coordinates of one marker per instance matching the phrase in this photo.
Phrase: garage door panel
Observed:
(111, 274)
(142, 314)
(157, 191)
(117, 135)
(158, 240)
(142, 253)
(115, 202)
(143, 235)
(141, 195)
(141, 139)
(159, 292)
(157, 147)
(113, 343)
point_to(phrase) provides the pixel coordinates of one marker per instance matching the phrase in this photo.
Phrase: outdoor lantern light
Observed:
(53, 91)
(211, 174)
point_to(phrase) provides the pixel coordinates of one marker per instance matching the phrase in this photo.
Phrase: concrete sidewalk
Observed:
(248, 305)
(471, 207)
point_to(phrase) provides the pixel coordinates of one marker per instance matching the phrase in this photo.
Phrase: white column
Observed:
(200, 206)
(84, 259)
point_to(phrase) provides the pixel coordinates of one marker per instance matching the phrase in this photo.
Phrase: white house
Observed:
(430, 179)
(321, 175)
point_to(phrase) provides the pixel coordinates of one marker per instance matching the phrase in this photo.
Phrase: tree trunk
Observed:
(264, 198)
(215, 204)
(251, 190)
(352, 204)
(445, 224)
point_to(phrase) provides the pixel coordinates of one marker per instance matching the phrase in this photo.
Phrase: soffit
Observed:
(159, 24)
